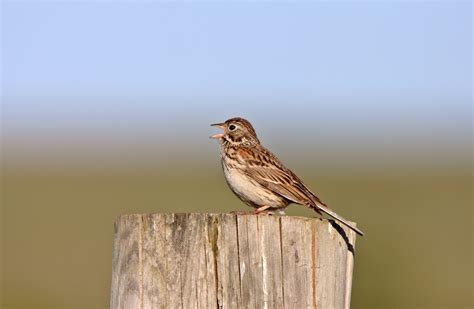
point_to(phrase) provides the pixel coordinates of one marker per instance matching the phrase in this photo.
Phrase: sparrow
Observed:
(258, 178)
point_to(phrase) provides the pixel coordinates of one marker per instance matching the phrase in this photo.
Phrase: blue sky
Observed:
(132, 72)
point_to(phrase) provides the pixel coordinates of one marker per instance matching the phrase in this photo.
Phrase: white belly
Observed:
(250, 191)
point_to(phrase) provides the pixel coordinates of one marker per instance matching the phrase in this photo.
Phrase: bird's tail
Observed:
(334, 215)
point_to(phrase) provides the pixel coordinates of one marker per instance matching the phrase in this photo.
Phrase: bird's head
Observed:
(237, 132)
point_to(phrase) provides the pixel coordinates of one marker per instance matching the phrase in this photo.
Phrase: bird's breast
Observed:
(249, 190)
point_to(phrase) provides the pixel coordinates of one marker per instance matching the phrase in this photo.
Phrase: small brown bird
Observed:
(258, 178)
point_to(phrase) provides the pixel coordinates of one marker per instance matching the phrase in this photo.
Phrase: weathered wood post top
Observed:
(230, 261)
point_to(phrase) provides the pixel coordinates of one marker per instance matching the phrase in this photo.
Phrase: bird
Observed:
(258, 178)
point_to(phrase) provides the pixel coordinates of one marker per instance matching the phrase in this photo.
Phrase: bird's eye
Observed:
(232, 127)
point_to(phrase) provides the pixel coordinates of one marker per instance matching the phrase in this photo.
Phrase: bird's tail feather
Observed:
(334, 215)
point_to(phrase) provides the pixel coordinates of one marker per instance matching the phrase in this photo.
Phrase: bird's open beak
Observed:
(219, 135)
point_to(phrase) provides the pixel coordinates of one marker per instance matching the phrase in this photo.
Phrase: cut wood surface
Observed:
(230, 261)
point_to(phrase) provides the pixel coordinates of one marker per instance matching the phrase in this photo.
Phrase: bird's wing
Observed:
(268, 171)
(264, 167)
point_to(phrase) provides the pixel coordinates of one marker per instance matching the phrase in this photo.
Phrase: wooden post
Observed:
(230, 261)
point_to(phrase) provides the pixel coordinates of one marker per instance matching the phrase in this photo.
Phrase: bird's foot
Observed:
(261, 211)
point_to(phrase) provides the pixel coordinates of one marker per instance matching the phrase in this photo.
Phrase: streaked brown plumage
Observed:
(258, 178)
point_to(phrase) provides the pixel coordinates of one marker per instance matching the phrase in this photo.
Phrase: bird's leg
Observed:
(258, 211)
(261, 210)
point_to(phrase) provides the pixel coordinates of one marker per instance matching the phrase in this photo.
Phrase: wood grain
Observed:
(230, 261)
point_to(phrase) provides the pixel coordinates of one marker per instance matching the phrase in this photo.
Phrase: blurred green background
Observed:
(106, 107)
